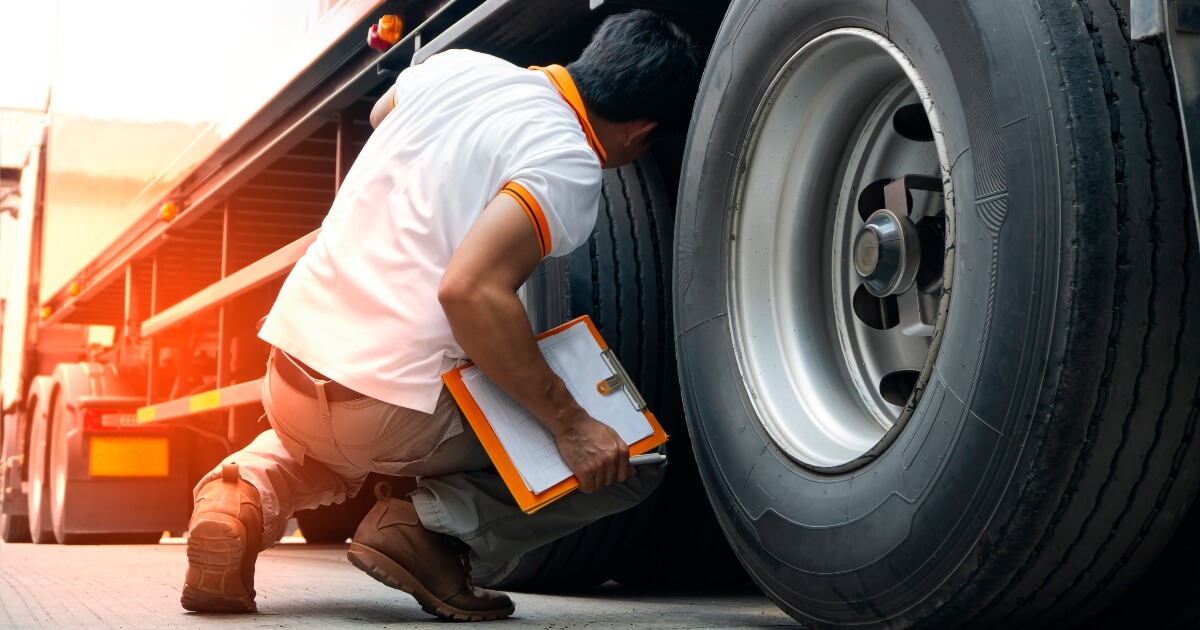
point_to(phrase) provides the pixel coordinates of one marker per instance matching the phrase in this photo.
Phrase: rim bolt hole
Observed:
(871, 198)
(898, 386)
(878, 313)
(911, 123)
(932, 232)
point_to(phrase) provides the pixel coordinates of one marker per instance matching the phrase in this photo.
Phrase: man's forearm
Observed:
(491, 326)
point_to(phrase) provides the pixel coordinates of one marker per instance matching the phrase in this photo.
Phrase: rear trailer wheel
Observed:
(60, 493)
(14, 528)
(620, 278)
(109, 484)
(41, 528)
(14, 521)
(934, 291)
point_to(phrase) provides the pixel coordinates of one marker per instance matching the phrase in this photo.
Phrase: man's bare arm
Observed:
(479, 296)
(383, 106)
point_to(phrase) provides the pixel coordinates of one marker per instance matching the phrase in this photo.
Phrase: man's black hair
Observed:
(639, 65)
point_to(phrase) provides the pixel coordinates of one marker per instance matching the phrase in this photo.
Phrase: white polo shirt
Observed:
(361, 305)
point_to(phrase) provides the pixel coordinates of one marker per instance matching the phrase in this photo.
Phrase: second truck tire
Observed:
(1031, 461)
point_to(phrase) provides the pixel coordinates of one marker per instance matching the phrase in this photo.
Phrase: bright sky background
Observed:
(24, 77)
(150, 60)
(142, 91)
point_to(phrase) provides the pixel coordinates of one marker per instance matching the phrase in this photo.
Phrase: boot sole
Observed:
(388, 572)
(216, 546)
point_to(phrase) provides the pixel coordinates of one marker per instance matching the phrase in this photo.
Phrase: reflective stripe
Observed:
(224, 398)
(205, 401)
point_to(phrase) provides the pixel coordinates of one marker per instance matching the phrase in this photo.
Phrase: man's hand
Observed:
(594, 452)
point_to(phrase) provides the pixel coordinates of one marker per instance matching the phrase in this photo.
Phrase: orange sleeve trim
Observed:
(541, 227)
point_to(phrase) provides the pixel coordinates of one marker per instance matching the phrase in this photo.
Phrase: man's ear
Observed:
(636, 131)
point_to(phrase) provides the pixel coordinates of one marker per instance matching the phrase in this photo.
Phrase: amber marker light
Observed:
(385, 33)
(75, 289)
(390, 27)
(168, 211)
(47, 312)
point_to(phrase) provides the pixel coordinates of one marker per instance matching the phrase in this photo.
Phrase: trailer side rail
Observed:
(215, 400)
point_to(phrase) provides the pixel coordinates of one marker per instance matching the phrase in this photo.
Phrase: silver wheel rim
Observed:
(829, 386)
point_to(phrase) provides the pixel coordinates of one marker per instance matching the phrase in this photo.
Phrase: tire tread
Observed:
(609, 282)
(1066, 574)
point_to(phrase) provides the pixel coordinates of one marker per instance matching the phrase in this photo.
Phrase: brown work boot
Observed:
(223, 541)
(392, 546)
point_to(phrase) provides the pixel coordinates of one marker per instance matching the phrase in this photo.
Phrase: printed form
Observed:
(575, 357)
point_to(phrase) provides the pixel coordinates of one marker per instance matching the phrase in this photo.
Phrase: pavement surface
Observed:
(301, 586)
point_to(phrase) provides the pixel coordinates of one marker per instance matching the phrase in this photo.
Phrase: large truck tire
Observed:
(620, 278)
(334, 524)
(41, 399)
(14, 520)
(14, 528)
(1011, 441)
(86, 500)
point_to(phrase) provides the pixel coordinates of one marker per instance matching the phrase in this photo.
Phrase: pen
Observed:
(648, 458)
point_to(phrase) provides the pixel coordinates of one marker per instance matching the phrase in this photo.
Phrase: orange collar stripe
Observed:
(566, 88)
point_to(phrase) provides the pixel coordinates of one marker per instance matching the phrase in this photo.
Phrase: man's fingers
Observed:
(627, 471)
(587, 480)
(601, 458)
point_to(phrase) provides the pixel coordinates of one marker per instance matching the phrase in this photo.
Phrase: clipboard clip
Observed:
(619, 381)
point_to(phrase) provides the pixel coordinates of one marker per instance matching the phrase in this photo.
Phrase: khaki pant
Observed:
(319, 452)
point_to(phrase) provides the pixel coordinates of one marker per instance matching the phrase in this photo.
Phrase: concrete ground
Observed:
(53, 586)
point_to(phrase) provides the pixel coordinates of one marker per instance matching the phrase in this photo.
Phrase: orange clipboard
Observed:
(527, 500)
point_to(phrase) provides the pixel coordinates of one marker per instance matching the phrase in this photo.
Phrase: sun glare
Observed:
(148, 60)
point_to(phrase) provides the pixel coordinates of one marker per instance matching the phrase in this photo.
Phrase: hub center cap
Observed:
(887, 253)
(866, 252)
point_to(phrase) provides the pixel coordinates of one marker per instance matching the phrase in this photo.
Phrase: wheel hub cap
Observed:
(887, 253)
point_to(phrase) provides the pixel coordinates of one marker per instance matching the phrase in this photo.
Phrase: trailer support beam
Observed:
(152, 364)
(253, 275)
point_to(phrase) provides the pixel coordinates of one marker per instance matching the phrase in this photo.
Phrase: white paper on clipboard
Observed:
(575, 356)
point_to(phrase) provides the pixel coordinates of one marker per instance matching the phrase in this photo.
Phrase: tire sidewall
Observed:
(39, 485)
(57, 453)
(834, 548)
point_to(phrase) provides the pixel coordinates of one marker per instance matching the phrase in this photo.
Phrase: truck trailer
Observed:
(916, 298)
